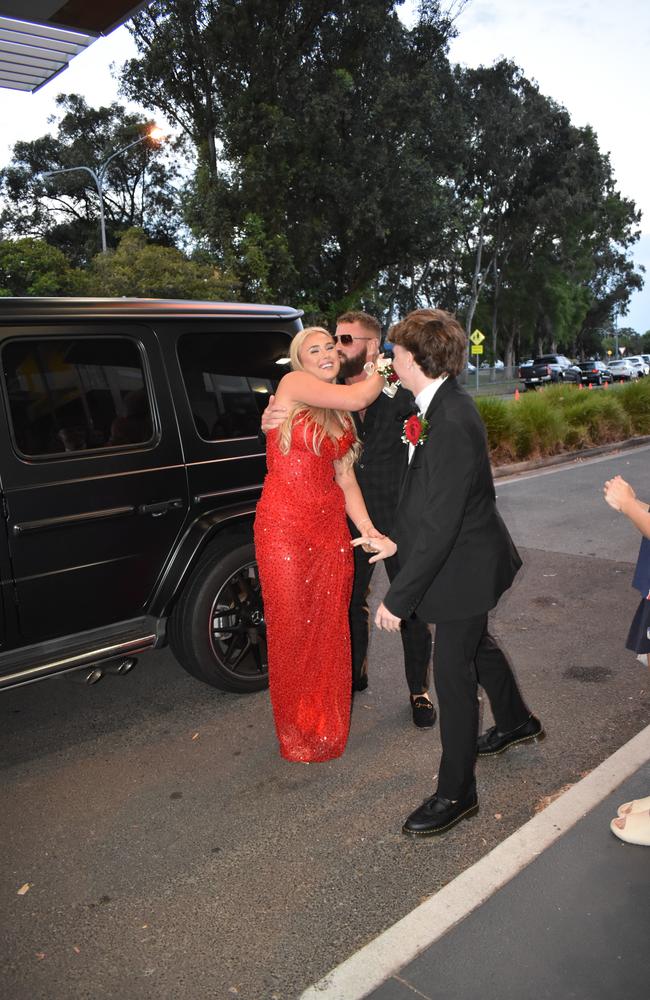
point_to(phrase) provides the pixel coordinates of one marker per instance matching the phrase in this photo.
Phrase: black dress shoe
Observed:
(424, 714)
(359, 683)
(437, 815)
(493, 741)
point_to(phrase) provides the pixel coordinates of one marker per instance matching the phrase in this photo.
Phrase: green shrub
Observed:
(497, 415)
(635, 400)
(563, 418)
(599, 416)
(539, 427)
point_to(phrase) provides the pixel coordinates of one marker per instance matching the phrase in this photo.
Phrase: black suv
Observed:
(130, 466)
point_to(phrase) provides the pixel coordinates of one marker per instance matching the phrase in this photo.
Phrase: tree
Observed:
(138, 268)
(140, 187)
(544, 228)
(32, 267)
(323, 133)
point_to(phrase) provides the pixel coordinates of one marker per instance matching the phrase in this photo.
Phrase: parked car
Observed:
(549, 368)
(594, 372)
(131, 463)
(623, 371)
(639, 363)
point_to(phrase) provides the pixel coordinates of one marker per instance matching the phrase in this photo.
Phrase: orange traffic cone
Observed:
(590, 386)
(517, 395)
(606, 384)
(580, 385)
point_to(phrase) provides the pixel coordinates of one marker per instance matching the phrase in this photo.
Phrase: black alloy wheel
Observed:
(217, 629)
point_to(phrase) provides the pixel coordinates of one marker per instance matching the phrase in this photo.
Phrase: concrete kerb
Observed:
(372, 965)
(512, 469)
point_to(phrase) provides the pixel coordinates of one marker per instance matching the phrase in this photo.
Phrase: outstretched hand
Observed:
(380, 546)
(618, 493)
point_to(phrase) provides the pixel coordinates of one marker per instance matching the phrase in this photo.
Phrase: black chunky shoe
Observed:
(494, 742)
(437, 815)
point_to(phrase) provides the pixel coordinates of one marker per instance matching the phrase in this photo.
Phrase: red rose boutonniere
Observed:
(415, 430)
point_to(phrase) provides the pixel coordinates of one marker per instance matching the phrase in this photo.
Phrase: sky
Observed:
(590, 56)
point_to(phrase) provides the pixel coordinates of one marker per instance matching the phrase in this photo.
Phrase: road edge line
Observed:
(395, 947)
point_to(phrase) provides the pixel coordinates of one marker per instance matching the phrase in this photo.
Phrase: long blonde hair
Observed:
(321, 422)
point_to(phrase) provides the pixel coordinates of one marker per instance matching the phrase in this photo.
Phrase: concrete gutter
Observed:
(513, 468)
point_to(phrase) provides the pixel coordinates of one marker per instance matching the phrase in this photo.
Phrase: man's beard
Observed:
(351, 366)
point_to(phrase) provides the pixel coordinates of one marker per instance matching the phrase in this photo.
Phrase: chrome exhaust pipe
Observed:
(87, 675)
(120, 667)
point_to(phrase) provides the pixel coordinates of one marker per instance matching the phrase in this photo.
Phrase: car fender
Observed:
(236, 522)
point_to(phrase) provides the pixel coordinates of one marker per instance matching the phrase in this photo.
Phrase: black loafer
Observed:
(437, 815)
(424, 714)
(493, 741)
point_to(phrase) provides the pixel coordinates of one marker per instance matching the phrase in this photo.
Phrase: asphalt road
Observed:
(170, 853)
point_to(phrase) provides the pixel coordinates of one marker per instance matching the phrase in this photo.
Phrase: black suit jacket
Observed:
(454, 552)
(384, 455)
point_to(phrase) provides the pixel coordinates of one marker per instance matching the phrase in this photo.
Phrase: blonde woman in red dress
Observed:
(303, 549)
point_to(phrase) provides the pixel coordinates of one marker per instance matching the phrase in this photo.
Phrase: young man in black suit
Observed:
(455, 560)
(377, 471)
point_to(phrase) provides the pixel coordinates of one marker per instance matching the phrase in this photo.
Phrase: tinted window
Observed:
(229, 377)
(76, 395)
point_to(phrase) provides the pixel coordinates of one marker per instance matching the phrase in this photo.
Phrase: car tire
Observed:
(599, 380)
(216, 629)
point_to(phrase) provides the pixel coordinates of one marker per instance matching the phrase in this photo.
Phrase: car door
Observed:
(94, 480)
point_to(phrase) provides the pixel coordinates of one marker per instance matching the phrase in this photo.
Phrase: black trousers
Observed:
(465, 655)
(416, 637)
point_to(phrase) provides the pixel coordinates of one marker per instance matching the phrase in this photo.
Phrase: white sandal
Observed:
(636, 806)
(635, 831)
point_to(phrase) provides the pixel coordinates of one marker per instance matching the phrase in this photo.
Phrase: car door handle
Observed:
(160, 508)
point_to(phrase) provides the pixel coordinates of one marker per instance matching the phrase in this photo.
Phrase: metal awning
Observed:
(38, 39)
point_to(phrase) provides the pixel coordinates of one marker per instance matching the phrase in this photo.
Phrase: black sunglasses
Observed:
(347, 338)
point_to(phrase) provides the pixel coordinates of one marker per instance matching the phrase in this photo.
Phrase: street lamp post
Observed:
(99, 175)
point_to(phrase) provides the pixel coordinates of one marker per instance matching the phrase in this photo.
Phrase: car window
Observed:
(229, 377)
(75, 394)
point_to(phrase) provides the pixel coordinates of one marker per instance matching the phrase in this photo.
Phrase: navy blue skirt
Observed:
(637, 638)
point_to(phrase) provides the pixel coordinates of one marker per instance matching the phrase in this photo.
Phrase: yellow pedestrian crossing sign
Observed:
(477, 337)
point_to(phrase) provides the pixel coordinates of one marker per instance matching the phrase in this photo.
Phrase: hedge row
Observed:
(563, 418)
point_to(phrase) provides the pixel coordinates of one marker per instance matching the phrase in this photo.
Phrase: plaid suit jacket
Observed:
(384, 456)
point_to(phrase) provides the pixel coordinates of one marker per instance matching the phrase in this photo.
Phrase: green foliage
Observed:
(600, 416)
(339, 161)
(498, 417)
(139, 187)
(329, 124)
(635, 400)
(564, 418)
(138, 268)
(539, 427)
(32, 267)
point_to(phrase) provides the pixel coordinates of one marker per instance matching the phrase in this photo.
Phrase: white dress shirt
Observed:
(423, 402)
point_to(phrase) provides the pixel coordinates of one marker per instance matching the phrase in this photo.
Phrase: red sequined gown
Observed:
(305, 562)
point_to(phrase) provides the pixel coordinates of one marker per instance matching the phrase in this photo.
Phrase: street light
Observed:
(155, 133)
